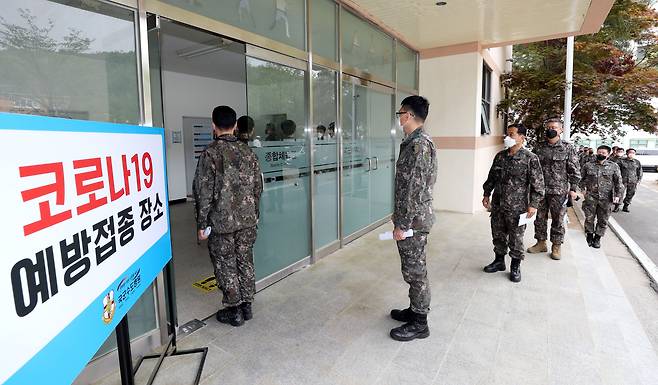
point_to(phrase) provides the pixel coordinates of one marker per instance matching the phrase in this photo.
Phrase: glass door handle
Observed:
(369, 164)
(376, 163)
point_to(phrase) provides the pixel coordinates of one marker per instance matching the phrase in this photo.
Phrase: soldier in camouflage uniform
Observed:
(601, 183)
(415, 176)
(561, 176)
(631, 175)
(588, 156)
(227, 188)
(517, 182)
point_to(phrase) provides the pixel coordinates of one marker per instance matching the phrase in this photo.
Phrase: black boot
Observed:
(416, 328)
(590, 239)
(230, 315)
(247, 314)
(616, 208)
(596, 241)
(405, 315)
(625, 209)
(515, 270)
(498, 264)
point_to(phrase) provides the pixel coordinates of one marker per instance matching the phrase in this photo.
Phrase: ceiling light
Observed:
(441, 3)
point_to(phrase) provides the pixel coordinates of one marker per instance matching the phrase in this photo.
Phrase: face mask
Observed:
(630, 156)
(551, 133)
(509, 142)
(601, 157)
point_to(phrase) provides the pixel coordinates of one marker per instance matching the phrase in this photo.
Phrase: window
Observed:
(71, 59)
(485, 129)
(639, 143)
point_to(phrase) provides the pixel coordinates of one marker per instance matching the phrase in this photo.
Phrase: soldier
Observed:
(601, 184)
(588, 156)
(561, 176)
(415, 175)
(631, 175)
(517, 182)
(227, 188)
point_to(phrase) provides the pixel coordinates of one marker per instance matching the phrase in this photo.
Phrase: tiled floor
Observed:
(568, 322)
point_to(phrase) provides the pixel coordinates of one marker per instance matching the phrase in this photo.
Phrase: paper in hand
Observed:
(389, 235)
(524, 220)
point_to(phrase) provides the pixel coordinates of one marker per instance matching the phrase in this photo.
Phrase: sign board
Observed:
(84, 232)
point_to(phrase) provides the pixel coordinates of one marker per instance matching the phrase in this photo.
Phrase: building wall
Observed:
(179, 102)
(453, 85)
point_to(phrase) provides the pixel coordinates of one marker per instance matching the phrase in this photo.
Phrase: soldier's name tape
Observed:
(207, 284)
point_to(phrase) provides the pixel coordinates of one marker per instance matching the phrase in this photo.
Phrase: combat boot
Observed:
(230, 315)
(625, 209)
(590, 239)
(596, 241)
(616, 208)
(556, 253)
(515, 270)
(497, 265)
(416, 328)
(247, 314)
(539, 247)
(405, 315)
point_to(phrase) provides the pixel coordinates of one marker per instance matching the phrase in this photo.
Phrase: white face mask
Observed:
(509, 142)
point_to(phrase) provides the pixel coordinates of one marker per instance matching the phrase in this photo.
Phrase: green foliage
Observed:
(614, 84)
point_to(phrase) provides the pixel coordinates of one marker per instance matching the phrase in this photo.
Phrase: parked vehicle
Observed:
(648, 158)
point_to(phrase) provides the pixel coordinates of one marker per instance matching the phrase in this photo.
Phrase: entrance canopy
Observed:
(460, 24)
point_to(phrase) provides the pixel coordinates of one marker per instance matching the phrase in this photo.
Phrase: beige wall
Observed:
(453, 86)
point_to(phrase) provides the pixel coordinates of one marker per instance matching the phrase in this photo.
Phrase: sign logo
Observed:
(108, 307)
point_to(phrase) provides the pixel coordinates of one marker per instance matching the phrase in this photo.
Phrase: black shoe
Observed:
(616, 209)
(417, 328)
(625, 209)
(590, 239)
(497, 265)
(247, 314)
(405, 315)
(515, 270)
(596, 242)
(230, 315)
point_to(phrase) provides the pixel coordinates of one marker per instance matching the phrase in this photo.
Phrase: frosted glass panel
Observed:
(406, 66)
(365, 47)
(324, 28)
(280, 20)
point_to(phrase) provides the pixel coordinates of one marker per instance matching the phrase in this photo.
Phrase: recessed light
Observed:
(441, 3)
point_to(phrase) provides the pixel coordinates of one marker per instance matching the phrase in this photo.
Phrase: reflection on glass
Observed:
(276, 103)
(365, 47)
(326, 160)
(406, 66)
(324, 28)
(73, 59)
(281, 20)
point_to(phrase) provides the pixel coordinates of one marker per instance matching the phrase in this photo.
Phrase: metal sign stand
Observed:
(125, 355)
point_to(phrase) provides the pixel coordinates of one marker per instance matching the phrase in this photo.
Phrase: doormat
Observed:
(207, 284)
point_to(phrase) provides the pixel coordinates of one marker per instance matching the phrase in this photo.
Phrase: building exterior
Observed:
(344, 65)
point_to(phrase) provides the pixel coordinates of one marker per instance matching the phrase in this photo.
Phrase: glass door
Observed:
(276, 102)
(368, 157)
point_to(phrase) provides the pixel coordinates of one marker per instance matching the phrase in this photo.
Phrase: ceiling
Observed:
(226, 64)
(424, 25)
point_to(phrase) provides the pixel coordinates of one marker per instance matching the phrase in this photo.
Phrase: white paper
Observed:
(207, 231)
(389, 235)
(524, 220)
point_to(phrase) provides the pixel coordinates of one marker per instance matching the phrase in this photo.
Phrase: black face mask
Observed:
(601, 157)
(551, 133)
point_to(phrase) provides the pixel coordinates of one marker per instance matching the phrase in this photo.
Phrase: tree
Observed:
(615, 76)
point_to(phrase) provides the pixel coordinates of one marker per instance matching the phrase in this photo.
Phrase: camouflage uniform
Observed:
(517, 183)
(601, 182)
(227, 188)
(561, 175)
(415, 176)
(584, 159)
(631, 175)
